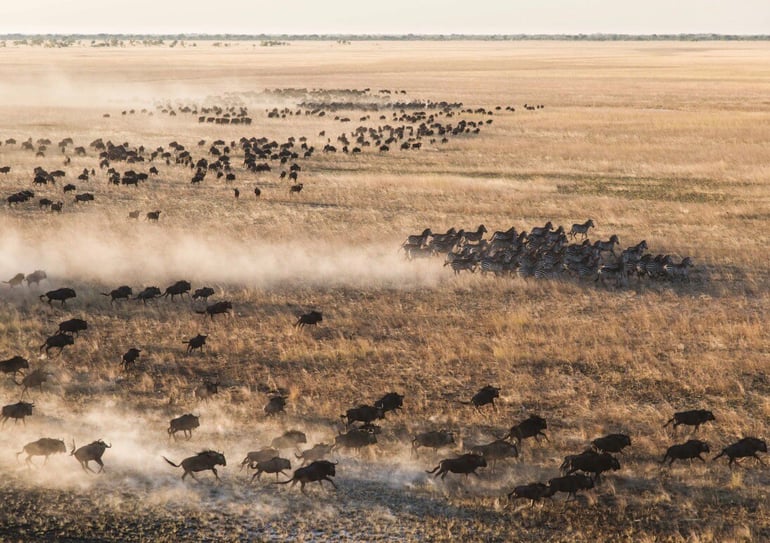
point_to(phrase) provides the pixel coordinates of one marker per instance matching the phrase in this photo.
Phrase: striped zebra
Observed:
(653, 266)
(581, 229)
(460, 264)
(679, 271)
(539, 231)
(477, 235)
(610, 271)
(508, 235)
(497, 266)
(418, 239)
(607, 246)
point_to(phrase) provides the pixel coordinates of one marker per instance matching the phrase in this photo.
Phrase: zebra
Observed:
(418, 240)
(608, 245)
(581, 229)
(477, 235)
(653, 267)
(459, 264)
(539, 231)
(678, 271)
(509, 235)
(497, 266)
(615, 270)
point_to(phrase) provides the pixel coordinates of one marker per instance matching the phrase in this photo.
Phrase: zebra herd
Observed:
(546, 252)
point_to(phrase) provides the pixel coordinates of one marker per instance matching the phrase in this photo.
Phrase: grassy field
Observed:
(663, 142)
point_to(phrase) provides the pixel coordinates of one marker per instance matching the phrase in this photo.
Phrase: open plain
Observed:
(667, 142)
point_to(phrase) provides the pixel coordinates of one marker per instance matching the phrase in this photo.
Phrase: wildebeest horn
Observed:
(73, 447)
(335, 463)
(108, 446)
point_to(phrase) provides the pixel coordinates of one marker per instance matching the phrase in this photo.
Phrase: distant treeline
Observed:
(161, 38)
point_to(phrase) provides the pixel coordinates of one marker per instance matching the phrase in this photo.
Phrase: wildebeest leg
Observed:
(758, 459)
(215, 473)
(255, 476)
(699, 457)
(85, 467)
(302, 487)
(101, 464)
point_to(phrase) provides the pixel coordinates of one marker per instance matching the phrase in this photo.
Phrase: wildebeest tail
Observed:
(170, 462)
(199, 312)
(434, 470)
(673, 419)
(284, 482)
(105, 293)
(719, 455)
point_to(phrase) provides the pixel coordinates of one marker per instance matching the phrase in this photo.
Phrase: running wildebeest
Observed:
(130, 357)
(17, 411)
(123, 292)
(180, 288)
(363, 413)
(203, 461)
(355, 439)
(435, 439)
(15, 281)
(150, 293)
(317, 452)
(390, 402)
(262, 455)
(318, 471)
(186, 424)
(72, 326)
(485, 395)
(38, 275)
(612, 443)
(274, 465)
(152, 216)
(217, 308)
(530, 427)
(694, 417)
(465, 464)
(60, 294)
(532, 491)
(59, 341)
(203, 293)
(496, 450)
(590, 461)
(571, 484)
(744, 448)
(289, 439)
(686, 451)
(257, 192)
(85, 197)
(14, 365)
(196, 342)
(45, 446)
(35, 378)
(275, 405)
(296, 189)
(312, 319)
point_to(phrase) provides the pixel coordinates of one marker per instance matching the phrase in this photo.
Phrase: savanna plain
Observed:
(663, 142)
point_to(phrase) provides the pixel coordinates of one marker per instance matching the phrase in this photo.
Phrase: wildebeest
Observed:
(612, 443)
(257, 192)
(274, 465)
(496, 450)
(571, 484)
(123, 292)
(317, 452)
(296, 189)
(85, 197)
(319, 471)
(57, 206)
(355, 439)
(69, 187)
(530, 427)
(17, 411)
(45, 446)
(390, 402)
(14, 365)
(203, 293)
(312, 318)
(484, 396)
(217, 308)
(150, 293)
(180, 288)
(434, 439)
(262, 455)
(465, 464)
(60, 294)
(275, 405)
(363, 413)
(35, 378)
(186, 424)
(743, 448)
(130, 357)
(72, 326)
(207, 389)
(694, 417)
(59, 341)
(196, 342)
(531, 491)
(93, 451)
(686, 451)
(38, 275)
(133, 214)
(203, 461)
(152, 216)
(15, 281)
(590, 461)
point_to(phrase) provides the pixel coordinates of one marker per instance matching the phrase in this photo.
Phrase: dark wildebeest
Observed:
(390, 402)
(319, 471)
(203, 461)
(196, 343)
(262, 455)
(60, 294)
(695, 417)
(484, 396)
(85, 197)
(207, 390)
(274, 465)
(435, 439)
(532, 491)
(257, 192)
(45, 446)
(59, 341)
(612, 443)
(17, 411)
(531, 427)
(217, 308)
(38, 275)
(317, 452)
(744, 448)
(290, 438)
(363, 413)
(121, 293)
(150, 293)
(152, 216)
(180, 288)
(69, 187)
(15, 281)
(590, 461)
(93, 451)
(571, 484)
(275, 405)
(34, 379)
(686, 451)
(296, 189)
(204, 293)
(72, 326)
(355, 439)
(57, 206)
(14, 365)
(130, 357)
(312, 318)
(496, 450)
(186, 424)
(465, 464)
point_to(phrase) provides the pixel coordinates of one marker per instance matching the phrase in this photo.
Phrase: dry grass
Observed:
(663, 142)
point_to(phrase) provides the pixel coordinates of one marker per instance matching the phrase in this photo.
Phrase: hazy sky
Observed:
(386, 16)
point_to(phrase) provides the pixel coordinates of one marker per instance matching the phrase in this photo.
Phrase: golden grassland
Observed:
(666, 142)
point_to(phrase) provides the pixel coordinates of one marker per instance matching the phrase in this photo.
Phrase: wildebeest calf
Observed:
(686, 451)
(465, 464)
